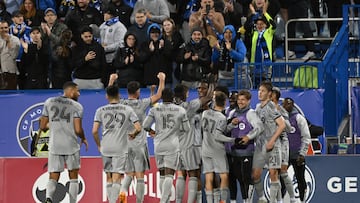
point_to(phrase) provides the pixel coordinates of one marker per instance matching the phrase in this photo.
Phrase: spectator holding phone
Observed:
(211, 22)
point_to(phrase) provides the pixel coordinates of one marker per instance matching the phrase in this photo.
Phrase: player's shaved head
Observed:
(71, 90)
(69, 84)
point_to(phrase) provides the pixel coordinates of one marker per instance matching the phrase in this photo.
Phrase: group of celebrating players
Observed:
(203, 135)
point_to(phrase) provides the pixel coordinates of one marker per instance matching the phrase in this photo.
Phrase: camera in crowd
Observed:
(129, 51)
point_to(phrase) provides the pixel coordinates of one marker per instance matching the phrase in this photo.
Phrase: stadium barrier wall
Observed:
(21, 110)
(330, 179)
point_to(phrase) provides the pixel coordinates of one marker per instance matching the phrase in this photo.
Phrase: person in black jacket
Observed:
(35, 61)
(61, 56)
(153, 57)
(123, 11)
(126, 62)
(83, 15)
(172, 42)
(89, 62)
(196, 59)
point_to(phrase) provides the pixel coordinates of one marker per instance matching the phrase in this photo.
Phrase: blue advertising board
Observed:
(21, 110)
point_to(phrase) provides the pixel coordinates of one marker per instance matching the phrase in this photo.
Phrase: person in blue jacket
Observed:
(229, 51)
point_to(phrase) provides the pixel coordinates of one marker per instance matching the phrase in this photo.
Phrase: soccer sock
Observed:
(259, 188)
(180, 188)
(109, 191)
(216, 193)
(199, 196)
(140, 189)
(126, 183)
(50, 188)
(73, 190)
(274, 188)
(115, 191)
(288, 184)
(162, 178)
(165, 194)
(251, 193)
(224, 193)
(192, 189)
(209, 197)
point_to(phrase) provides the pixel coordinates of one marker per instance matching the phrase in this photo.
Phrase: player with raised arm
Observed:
(171, 122)
(268, 147)
(118, 123)
(138, 158)
(64, 114)
(214, 125)
(190, 162)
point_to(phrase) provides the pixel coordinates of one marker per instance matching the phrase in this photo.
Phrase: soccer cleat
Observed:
(308, 55)
(122, 197)
(48, 200)
(222, 201)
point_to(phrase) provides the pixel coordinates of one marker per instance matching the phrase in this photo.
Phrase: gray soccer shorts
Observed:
(167, 161)
(217, 163)
(188, 159)
(197, 153)
(138, 159)
(271, 159)
(114, 164)
(56, 162)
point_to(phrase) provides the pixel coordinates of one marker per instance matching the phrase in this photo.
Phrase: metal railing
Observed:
(283, 75)
(287, 39)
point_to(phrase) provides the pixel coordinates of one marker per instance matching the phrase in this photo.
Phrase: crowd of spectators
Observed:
(87, 40)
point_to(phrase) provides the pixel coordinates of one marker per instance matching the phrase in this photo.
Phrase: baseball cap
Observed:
(35, 28)
(154, 30)
(111, 10)
(50, 9)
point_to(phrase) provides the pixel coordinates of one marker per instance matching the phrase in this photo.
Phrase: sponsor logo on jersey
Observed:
(309, 179)
(62, 189)
(27, 127)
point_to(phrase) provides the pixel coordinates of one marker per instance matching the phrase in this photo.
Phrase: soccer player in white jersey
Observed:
(171, 122)
(190, 161)
(64, 114)
(213, 125)
(118, 123)
(268, 147)
(138, 158)
(287, 182)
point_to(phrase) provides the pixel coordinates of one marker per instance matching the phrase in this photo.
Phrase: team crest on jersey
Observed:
(241, 126)
(62, 188)
(28, 125)
(309, 179)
